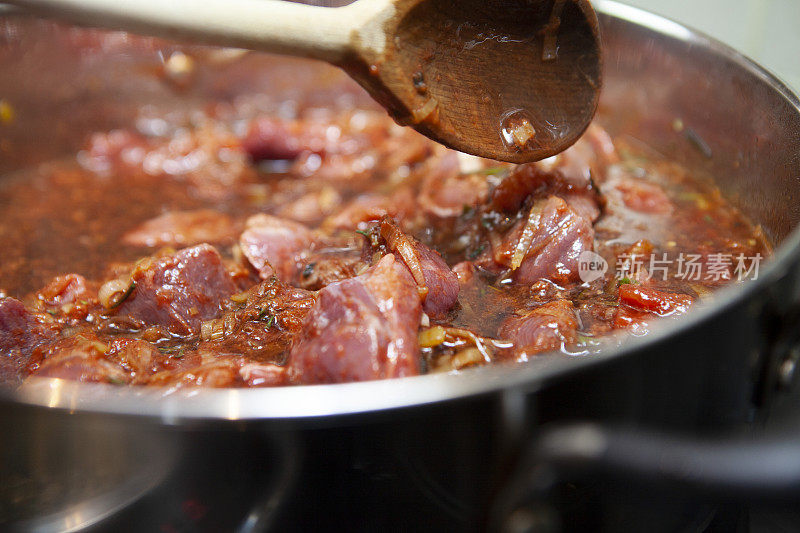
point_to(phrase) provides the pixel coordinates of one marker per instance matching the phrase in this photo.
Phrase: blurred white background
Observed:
(767, 31)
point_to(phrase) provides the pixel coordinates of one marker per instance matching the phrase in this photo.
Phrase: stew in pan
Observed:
(261, 245)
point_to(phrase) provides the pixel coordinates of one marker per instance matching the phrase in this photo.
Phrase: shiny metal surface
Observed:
(316, 456)
(657, 70)
(58, 478)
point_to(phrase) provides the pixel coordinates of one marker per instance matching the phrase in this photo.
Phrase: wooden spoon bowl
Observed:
(512, 80)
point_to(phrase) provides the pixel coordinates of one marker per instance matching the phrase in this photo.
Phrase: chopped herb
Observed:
(166, 350)
(51, 312)
(116, 381)
(708, 218)
(475, 252)
(270, 321)
(625, 281)
(83, 302)
(467, 211)
(262, 313)
(491, 171)
(178, 355)
(308, 270)
(698, 142)
(363, 232)
(586, 340)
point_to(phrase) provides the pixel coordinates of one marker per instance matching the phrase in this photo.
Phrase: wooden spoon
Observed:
(513, 80)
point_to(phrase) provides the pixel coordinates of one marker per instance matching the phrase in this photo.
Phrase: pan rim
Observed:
(307, 402)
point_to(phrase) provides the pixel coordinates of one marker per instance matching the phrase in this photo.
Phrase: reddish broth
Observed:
(259, 249)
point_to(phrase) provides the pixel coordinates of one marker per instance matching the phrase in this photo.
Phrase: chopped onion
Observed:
(550, 33)
(477, 341)
(114, 292)
(212, 330)
(462, 359)
(522, 133)
(400, 243)
(525, 240)
(426, 110)
(467, 357)
(432, 337)
(239, 297)
(425, 320)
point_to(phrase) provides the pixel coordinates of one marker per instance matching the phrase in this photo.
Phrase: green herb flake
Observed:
(178, 355)
(262, 313)
(270, 321)
(116, 381)
(476, 251)
(698, 142)
(586, 340)
(491, 171)
(363, 232)
(625, 281)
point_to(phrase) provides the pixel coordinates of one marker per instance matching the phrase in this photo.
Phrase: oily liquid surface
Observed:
(339, 174)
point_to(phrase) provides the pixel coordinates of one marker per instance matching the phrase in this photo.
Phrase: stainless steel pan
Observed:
(435, 451)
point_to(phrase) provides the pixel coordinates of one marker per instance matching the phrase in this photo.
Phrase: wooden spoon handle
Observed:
(268, 25)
